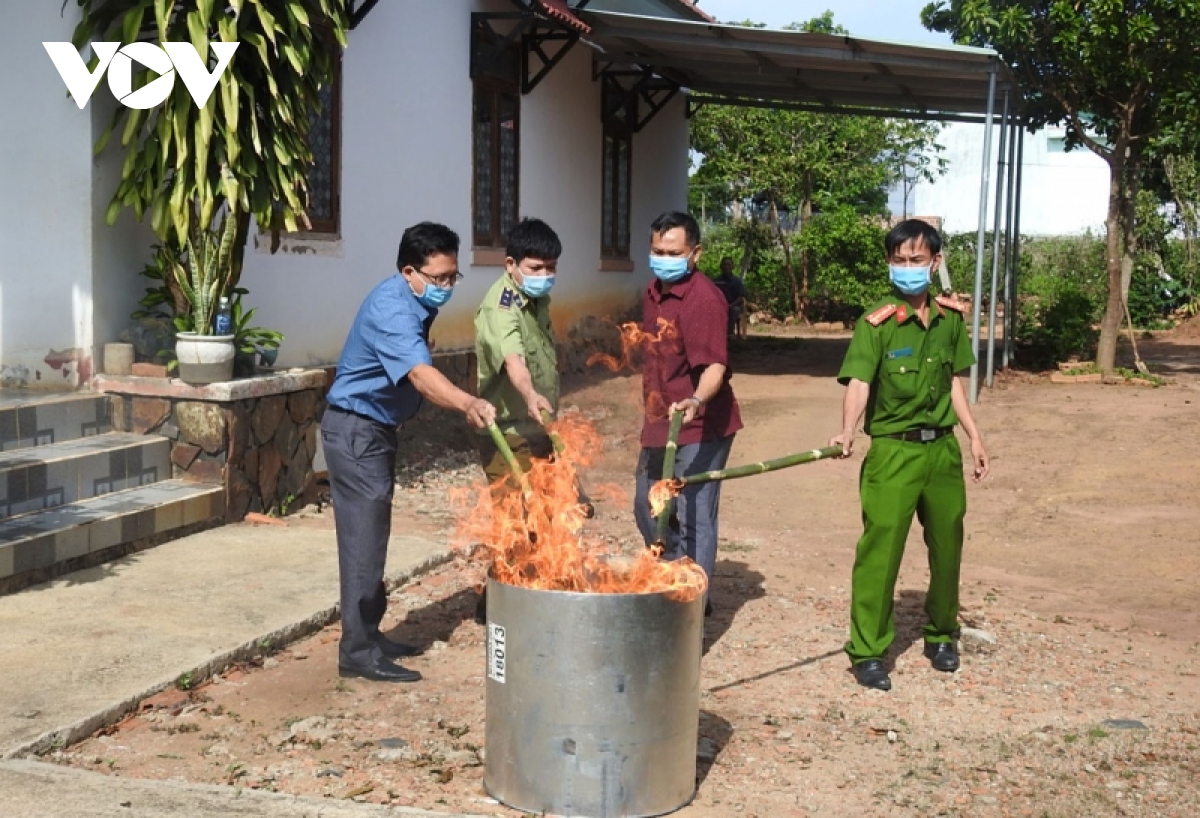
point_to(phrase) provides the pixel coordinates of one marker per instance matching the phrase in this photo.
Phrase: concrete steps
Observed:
(74, 494)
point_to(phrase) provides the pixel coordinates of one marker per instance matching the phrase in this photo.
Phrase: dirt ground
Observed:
(1078, 694)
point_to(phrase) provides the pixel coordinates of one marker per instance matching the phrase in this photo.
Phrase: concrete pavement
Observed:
(80, 652)
(33, 789)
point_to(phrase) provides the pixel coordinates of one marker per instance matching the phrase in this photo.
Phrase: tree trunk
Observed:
(805, 272)
(787, 259)
(1110, 325)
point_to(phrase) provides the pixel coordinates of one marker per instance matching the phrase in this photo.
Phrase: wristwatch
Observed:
(699, 402)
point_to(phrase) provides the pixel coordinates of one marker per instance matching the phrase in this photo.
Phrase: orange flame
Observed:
(634, 342)
(662, 493)
(537, 539)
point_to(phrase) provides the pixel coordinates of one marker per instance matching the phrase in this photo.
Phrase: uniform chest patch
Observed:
(905, 352)
(510, 298)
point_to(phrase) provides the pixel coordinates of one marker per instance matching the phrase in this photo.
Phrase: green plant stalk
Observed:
(555, 439)
(664, 518)
(762, 467)
(506, 452)
(560, 448)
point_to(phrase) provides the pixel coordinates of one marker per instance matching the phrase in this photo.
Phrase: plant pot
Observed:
(204, 358)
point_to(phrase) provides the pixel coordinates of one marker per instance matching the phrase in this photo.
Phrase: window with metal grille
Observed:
(325, 141)
(496, 141)
(618, 147)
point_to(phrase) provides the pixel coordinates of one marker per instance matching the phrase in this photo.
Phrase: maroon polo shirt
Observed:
(671, 366)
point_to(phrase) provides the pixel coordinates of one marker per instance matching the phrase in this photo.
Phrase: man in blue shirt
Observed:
(384, 373)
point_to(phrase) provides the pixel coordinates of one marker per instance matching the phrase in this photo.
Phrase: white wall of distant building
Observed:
(1063, 192)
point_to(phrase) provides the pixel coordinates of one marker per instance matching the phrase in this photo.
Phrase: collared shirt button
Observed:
(929, 360)
(902, 370)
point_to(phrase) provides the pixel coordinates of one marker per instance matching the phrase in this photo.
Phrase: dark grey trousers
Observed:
(360, 454)
(696, 507)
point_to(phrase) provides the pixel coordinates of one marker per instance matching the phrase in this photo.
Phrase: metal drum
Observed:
(593, 701)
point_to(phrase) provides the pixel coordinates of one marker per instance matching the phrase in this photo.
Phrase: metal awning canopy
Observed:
(840, 74)
(736, 65)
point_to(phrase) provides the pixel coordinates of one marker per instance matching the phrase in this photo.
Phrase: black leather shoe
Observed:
(381, 670)
(397, 650)
(872, 674)
(942, 655)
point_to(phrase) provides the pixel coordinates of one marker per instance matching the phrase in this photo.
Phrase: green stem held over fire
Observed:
(506, 452)
(555, 439)
(664, 518)
(762, 467)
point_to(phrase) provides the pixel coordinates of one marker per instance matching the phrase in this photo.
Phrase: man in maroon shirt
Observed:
(685, 368)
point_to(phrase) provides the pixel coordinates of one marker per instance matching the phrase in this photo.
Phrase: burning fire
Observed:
(535, 538)
(663, 492)
(634, 342)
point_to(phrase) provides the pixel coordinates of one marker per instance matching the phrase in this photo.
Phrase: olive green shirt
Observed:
(910, 367)
(508, 322)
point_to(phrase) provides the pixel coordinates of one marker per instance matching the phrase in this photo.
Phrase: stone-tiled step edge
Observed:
(61, 473)
(36, 541)
(52, 419)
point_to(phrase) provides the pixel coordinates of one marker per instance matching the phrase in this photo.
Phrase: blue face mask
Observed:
(909, 280)
(434, 296)
(536, 286)
(669, 268)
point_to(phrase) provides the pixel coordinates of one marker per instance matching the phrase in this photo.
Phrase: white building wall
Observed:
(45, 203)
(1063, 193)
(67, 282)
(406, 157)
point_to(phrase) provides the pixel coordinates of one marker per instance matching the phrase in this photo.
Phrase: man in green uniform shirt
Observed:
(514, 346)
(901, 372)
(517, 361)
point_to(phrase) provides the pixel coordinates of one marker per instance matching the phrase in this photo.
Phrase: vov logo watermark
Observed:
(171, 58)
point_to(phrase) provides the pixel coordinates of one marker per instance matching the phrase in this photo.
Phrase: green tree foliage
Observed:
(787, 167)
(1121, 75)
(248, 145)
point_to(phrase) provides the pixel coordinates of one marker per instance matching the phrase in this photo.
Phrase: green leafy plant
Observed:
(248, 144)
(253, 343)
(205, 275)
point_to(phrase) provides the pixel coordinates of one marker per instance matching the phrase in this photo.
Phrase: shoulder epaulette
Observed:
(951, 303)
(510, 298)
(880, 315)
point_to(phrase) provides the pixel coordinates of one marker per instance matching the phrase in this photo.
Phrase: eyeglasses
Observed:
(447, 281)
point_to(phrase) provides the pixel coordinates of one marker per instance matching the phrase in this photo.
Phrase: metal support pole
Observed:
(1002, 171)
(982, 235)
(1011, 239)
(1014, 292)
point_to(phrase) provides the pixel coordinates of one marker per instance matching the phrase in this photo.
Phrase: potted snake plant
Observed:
(204, 275)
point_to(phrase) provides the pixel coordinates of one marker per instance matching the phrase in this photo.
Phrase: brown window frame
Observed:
(333, 224)
(496, 89)
(614, 134)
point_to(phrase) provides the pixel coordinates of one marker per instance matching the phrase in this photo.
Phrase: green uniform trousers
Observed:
(899, 477)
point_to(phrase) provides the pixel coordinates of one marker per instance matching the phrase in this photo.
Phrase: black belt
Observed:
(921, 435)
(332, 408)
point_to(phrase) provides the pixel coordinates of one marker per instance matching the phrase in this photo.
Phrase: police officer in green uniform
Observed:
(514, 347)
(901, 372)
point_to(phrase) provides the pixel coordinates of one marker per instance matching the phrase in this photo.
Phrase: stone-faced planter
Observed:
(256, 436)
